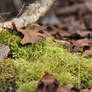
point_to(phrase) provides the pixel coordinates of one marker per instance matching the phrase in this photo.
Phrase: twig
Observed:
(21, 10)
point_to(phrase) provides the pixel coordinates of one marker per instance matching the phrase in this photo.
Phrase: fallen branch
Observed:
(30, 15)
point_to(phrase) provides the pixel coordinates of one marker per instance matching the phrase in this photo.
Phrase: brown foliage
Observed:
(32, 36)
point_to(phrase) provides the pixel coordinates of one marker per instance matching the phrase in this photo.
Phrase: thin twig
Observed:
(21, 9)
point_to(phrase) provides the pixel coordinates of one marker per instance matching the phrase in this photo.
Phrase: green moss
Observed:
(32, 51)
(31, 61)
(31, 26)
(7, 37)
(28, 87)
(12, 39)
(65, 69)
(7, 75)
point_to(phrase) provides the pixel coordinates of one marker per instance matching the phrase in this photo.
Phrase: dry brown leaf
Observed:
(81, 43)
(87, 53)
(77, 46)
(84, 90)
(32, 36)
(13, 26)
(90, 88)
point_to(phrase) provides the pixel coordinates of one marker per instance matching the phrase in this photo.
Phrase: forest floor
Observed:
(59, 43)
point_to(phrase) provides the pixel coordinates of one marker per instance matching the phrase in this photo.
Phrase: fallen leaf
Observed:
(77, 46)
(90, 88)
(48, 83)
(84, 90)
(75, 89)
(87, 53)
(14, 26)
(32, 36)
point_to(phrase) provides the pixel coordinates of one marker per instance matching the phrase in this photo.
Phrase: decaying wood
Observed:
(30, 15)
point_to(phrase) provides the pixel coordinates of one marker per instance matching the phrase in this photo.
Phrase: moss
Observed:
(7, 37)
(12, 39)
(31, 26)
(31, 61)
(28, 87)
(65, 70)
(7, 75)
(32, 51)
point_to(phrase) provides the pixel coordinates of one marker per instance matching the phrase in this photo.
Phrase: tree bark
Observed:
(30, 15)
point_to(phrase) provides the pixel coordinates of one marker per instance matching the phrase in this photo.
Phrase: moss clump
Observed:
(28, 87)
(32, 51)
(12, 39)
(7, 37)
(31, 61)
(65, 69)
(7, 75)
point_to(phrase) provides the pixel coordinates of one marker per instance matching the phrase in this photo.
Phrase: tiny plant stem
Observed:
(79, 86)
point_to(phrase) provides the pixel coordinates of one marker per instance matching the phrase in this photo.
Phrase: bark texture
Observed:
(31, 14)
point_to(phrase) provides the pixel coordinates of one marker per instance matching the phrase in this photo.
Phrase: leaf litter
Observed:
(72, 25)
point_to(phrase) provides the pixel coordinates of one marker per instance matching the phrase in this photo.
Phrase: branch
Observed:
(31, 14)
